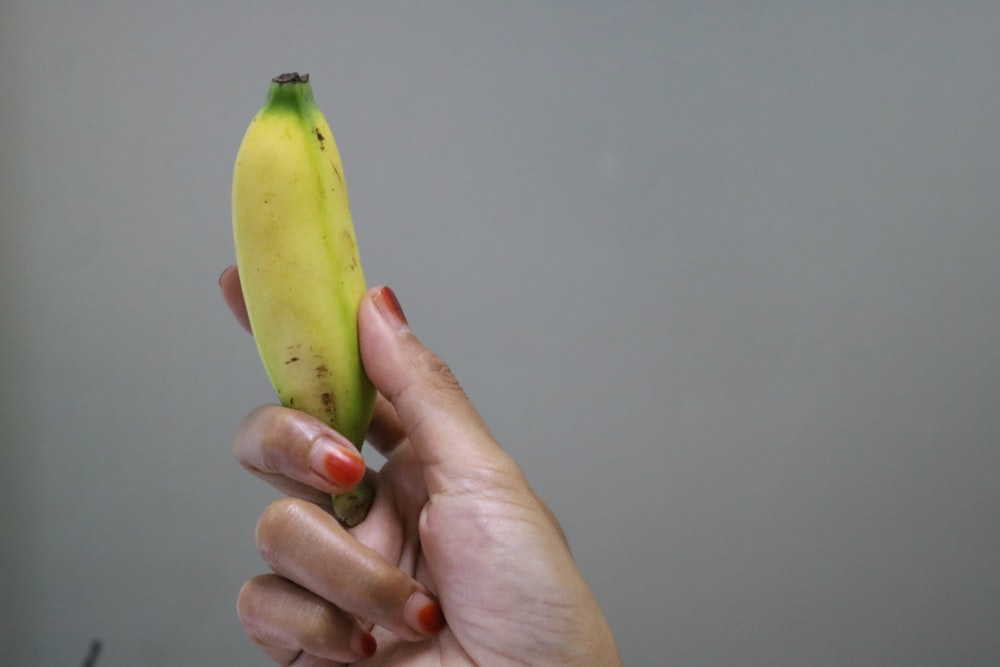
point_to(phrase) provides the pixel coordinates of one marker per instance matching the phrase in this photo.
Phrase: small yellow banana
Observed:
(299, 266)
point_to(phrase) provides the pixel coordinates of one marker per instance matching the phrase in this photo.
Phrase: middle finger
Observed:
(308, 546)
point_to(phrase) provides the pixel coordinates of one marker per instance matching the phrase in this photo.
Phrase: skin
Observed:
(455, 529)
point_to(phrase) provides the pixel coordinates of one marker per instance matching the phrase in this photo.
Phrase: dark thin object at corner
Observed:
(291, 77)
(95, 650)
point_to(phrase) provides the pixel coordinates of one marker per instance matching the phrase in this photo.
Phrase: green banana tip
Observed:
(290, 93)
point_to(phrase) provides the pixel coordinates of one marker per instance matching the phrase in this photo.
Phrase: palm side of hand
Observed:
(485, 549)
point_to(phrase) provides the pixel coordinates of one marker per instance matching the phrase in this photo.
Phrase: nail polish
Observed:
(339, 466)
(366, 644)
(423, 614)
(431, 618)
(389, 306)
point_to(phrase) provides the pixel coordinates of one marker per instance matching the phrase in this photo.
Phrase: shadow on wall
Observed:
(92, 654)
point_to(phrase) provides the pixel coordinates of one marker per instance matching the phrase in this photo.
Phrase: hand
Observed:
(458, 562)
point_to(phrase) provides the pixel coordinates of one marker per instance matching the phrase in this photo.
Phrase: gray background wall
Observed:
(724, 278)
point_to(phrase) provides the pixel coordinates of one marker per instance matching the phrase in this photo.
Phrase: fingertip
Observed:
(379, 330)
(340, 465)
(388, 307)
(232, 294)
(364, 644)
(229, 278)
(423, 614)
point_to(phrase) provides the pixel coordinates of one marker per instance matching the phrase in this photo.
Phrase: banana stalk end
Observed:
(352, 507)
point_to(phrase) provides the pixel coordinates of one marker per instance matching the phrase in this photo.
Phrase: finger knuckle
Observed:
(438, 376)
(273, 527)
(256, 427)
(321, 632)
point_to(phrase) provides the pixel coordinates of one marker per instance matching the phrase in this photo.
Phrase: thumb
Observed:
(445, 430)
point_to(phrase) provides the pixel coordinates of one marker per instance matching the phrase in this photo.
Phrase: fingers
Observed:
(295, 627)
(232, 293)
(444, 428)
(386, 431)
(297, 454)
(307, 546)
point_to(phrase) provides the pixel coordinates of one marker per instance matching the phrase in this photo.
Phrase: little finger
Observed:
(285, 620)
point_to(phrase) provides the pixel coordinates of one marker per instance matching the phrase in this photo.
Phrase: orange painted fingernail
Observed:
(338, 465)
(423, 614)
(431, 618)
(365, 644)
(387, 303)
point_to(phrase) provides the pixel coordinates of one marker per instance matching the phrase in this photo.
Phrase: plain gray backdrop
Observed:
(724, 277)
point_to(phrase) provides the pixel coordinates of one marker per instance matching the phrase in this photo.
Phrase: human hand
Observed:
(459, 562)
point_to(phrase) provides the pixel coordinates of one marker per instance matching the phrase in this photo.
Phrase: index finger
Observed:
(297, 453)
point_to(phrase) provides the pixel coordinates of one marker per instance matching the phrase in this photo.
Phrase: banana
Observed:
(299, 266)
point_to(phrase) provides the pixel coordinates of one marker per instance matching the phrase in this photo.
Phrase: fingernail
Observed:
(338, 464)
(423, 614)
(364, 644)
(387, 303)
